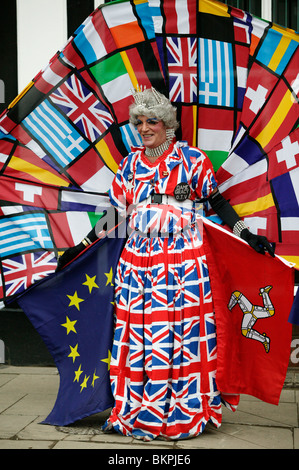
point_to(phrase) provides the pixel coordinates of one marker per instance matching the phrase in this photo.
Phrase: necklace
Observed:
(157, 151)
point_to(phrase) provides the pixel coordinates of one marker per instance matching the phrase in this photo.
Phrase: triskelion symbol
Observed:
(251, 313)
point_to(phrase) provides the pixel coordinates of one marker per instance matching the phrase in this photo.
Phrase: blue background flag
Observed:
(73, 312)
(294, 313)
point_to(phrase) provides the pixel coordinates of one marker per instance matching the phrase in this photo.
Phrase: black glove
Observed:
(110, 220)
(223, 208)
(229, 216)
(257, 242)
(72, 252)
(68, 255)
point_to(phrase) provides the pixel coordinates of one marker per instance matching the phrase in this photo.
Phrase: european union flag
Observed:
(73, 312)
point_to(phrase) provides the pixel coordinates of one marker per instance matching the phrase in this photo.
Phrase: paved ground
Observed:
(27, 395)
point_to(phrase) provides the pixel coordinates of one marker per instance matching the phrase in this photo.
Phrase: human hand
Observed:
(258, 242)
(69, 255)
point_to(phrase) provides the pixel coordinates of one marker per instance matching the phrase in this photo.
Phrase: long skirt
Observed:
(164, 354)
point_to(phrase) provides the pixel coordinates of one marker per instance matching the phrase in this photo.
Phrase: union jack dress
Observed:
(164, 351)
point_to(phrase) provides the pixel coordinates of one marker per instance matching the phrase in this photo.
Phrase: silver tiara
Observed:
(138, 95)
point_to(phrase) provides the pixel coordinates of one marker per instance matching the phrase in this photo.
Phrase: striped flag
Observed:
(216, 77)
(23, 233)
(216, 139)
(70, 227)
(233, 79)
(282, 113)
(114, 79)
(92, 39)
(267, 137)
(52, 74)
(124, 26)
(277, 49)
(180, 17)
(58, 137)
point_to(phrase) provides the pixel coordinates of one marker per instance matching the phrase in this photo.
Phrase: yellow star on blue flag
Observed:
(75, 318)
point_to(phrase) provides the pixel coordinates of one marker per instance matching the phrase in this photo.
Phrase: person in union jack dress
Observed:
(164, 353)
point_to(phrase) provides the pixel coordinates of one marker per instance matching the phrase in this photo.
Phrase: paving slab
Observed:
(27, 370)
(9, 399)
(11, 425)
(16, 444)
(28, 394)
(104, 445)
(256, 412)
(236, 436)
(33, 383)
(32, 404)
(35, 430)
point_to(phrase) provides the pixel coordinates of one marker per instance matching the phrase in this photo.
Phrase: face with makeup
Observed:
(152, 131)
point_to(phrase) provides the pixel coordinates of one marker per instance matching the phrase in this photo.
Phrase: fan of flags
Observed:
(235, 82)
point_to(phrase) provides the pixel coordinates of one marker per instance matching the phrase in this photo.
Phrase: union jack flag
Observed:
(22, 271)
(182, 66)
(82, 107)
(162, 334)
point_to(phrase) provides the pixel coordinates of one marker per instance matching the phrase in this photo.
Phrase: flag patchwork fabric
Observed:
(252, 296)
(216, 80)
(267, 137)
(76, 324)
(61, 141)
(20, 233)
(89, 114)
(182, 65)
(233, 79)
(169, 310)
(21, 271)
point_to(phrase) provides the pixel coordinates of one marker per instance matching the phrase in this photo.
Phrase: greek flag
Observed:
(216, 73)
(24, 232)
(58, 137)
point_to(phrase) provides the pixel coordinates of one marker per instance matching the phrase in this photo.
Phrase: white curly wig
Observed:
(153, 104)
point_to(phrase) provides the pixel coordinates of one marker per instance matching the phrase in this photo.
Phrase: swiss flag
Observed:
(284, 157)
(253, 296)
(260, 84)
